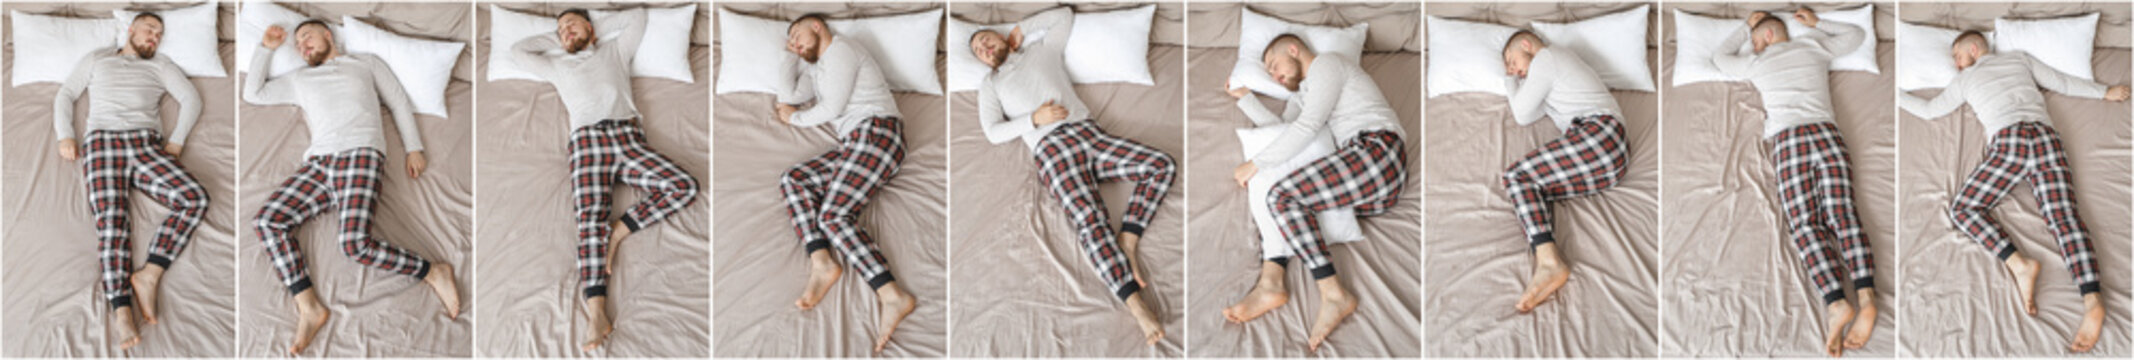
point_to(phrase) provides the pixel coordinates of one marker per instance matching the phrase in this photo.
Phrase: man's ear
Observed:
(1294, 50)
(1528, 45)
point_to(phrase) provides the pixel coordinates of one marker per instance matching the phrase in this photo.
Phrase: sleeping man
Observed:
(824, 195)
(1333, 96)
(1792, 72)
(123, 151)
(339, 94)
(2002, 88)
(592, 78)
(1587, 159)
(1027, 95)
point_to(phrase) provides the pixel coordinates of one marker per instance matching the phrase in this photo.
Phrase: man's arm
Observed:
(1529, 98)
(1948, 101)
(63, 102)
(1056, 24)
(999, 126)
(1316, 109)
(799, 91)
(1839, 38)
(833, 87)
(260, 90)
(1736, 63)
(396, 100)
(180, 89)
(531, 54)
(633, 31)
(2059, 82)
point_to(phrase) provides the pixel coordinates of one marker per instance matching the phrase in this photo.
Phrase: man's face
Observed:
(991, 48)
(315, 43)
(1966, 54)
(144, 35)
(1516, 61)
(804, 39)
(1283, 65)
(575, 31)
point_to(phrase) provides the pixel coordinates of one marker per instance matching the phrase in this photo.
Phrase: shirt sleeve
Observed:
(1839, 38)
(531, 54)
(1257, 112)
(1057, 24)
(1324, 86)
(2060, 82)
(180, 89)
(260, 90)
(63, 102)
(396, 100)
(633, 31)
(1529, 98)
(1737, 63)
(1000, 127)
(1950, 98)
(839, 70)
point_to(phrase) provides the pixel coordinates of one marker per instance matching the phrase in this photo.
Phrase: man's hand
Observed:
(1244, 173)
(785, 112)
(1048, 113)
(1806, 16)
(2116, 93)
(416, 163)
(173, 148)
(273, 38)
(1757, 16)
(1015, 39)
(1238, 91)
(69, 149)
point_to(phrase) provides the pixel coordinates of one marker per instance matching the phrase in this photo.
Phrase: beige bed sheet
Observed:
(1734, 285)
(50, 271)
(1479, 261)
(375, 313)
(528, 280)
(1023, 286)
(759, 268)
(1958, 300)
(1383, 271)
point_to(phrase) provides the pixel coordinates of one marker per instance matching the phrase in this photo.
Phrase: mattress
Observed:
(54, 280)
(759, 265)
(1730, 266)
(529, 302)
(1959, 302)
(375, 313)
(1383, 271)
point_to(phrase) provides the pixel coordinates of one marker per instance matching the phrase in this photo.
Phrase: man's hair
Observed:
(581, 12)
(148, 14)
(1972, 36)
(816, 17)
(310, 22)
(1284, 39)
(1522, 35)
(1770, 22)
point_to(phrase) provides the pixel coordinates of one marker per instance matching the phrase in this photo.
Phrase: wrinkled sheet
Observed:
(759, 267)
(1731, 269)
(530, 304)
(375, 313)
(50, 264)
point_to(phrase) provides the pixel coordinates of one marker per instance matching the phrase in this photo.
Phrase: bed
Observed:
(759, 266)
(1382, 271)
(50, 272)
(375, 313)
(530, 300)
(1730, 269)
(1961, 304)
(1023, 285)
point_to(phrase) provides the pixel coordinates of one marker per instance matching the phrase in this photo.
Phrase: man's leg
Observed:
(1587, 159)
(871, 155)
(1370, 169)
(1067, 167)
(1841, 222)
(1969, 209)
(158, 175)
(1799, 153)
(297, 200)
(803, 186)
(355, 176)
(1151, 171)
(2052, 181)
(104, 165)
(595, 163)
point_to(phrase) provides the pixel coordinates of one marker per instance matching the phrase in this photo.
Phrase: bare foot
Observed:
(144, 290)
(2025, 271)
(822, 272)
(2092, 324)
(310, 315)
(596, 318)
(1132, 243)
(1266, 295)
(1151, 328)
(440, 279)
(1335, 305)
(896, 304)
(1863, 324)
(122, 327)
(1549, 275)
(1838, 313)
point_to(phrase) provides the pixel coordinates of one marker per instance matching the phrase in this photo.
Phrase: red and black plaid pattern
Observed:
(824, 195)
(2027, 152)
(1815, 191)
(114, 162)
(347, 180)
(601, 155)
(1587, 159)
(1072, 159)
(1367, 174)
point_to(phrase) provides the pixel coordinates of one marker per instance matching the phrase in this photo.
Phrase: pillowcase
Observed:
(1255, 30)
(48, 47)
(903, 45)
(1697, 39)
(1105, 47)
(663, 53)
(189, 38)
(252, 23)
(423, 67)
(1613, 44)
(1466, 56)
(1861, 58)
(1923, 53)
(752, 55)
(2063, 43)
(1336, 225)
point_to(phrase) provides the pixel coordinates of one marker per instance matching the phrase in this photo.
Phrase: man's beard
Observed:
(145, 52)
(1294, 84)
(316, 58)
(811, 54)
(577, 45)
(1000, 56)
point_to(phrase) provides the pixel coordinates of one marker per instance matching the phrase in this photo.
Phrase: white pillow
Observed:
(1923, 53)
(507, 28)
(1697, 39)
(423, 66)
(1106, 47)
(752, 55)
(965, 72)
(252, 22)
(1255, 30)
(663, 53)
(2063, 43)
(48, 47)
(189, 38)
(1861, 58)
(1466, 56)
(903, 45)
(1613, 44)
(1335, 225)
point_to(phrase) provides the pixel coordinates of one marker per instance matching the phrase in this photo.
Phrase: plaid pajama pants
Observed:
(1815, 190)
(113, 162)
(824, 195)
(2027, 152)
(601, 155)
(1367, 174)
(1072, 159)
(346, 180)
(1587, 159)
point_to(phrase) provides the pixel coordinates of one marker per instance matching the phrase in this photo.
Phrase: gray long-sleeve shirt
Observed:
(2003, 90)
(1036, 74)
(125, 95)
(340, 101)
(1792, 76)
(847, 86)
(595, 82)
(1561, 86)
(1337, 96)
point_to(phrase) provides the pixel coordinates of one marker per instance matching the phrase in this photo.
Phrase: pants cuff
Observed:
(2089, 288)
(1132, 228)
(631, 222)
(1323, 271)
(299, 286)
(596, 290)
(1535, 240)
(878, 280)
(1281, 261)
(2006, 251)
(422, 271)
(159, 260)
(1835, 295)
(1127, 289)
(813, 245)
(121, 301)
(1863, 283)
